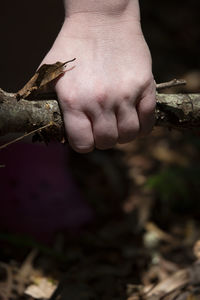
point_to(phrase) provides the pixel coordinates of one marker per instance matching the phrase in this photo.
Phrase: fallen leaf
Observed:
(41, 79)
(43, 289)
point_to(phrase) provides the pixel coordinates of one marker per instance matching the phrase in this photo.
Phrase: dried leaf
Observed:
(42, 289)
(41, 79)
(173, 282)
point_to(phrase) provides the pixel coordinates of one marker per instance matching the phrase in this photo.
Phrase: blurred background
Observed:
(28, 30)
(119, 213)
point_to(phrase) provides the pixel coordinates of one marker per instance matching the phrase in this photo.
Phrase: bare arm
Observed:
(109, 7)
(109, 97)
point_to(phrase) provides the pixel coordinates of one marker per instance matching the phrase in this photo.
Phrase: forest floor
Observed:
(144, 242)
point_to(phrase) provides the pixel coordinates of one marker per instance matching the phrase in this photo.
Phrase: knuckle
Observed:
(101, 96)
(145, 80)
(132, 85)
(127, 95)
(69, 101)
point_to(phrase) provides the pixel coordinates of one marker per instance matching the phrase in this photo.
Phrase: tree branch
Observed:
(26, 116)
(179, 111)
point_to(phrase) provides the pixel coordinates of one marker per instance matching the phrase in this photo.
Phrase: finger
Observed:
(79, 131)
(146, 113)
(128, 123)
(105, 130)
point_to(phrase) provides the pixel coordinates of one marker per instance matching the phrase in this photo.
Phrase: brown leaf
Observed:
(41, 79)
(42, 288)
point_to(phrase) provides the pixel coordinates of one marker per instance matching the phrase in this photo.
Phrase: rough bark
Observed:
(25, 116)
(179, 111)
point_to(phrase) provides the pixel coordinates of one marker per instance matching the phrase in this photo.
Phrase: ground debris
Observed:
(183, 284)
(15, 279)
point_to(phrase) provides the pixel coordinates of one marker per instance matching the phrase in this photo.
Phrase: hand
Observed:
(109, 95)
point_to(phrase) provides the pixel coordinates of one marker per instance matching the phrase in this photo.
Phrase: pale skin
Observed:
(108, 97)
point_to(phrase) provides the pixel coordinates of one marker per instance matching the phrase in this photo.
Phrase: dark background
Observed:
(28, 29)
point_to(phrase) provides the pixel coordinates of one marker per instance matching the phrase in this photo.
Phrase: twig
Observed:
(169, 84)
(24, 135)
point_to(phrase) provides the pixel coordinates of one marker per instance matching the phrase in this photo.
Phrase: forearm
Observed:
(98, 18)
(102, 7)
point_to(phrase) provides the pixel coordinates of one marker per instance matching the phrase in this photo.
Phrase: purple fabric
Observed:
(37, 193)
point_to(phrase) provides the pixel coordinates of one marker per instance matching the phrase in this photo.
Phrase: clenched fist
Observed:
(108, 96)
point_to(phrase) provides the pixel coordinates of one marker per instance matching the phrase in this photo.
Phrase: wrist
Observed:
(105, 8)
(100, 18)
